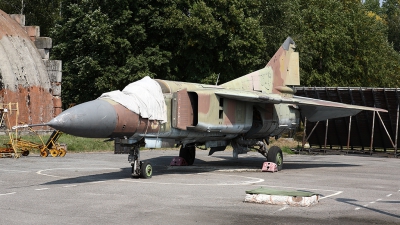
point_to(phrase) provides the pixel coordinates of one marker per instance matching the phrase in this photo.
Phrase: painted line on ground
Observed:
(96, 182)
(11, 193)
(68, 186)
(18, 171)
(373, 202)
(43, 172)
(251, 181)
(281, 209)
(328, 196)
(41, 189)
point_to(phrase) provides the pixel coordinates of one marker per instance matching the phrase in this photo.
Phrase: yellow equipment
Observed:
(16, 146)
(50, 147)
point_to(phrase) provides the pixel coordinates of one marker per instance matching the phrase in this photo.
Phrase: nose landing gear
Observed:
(139, 168)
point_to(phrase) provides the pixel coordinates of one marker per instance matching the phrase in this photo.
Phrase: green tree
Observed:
(215, 37)
(392, 10)
(106, 45)
(103, 48)
(280, 19)
(373, 6)
(342, 45)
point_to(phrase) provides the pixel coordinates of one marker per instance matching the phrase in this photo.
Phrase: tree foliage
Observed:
(105, 45)
(344, 45)
(391, 9)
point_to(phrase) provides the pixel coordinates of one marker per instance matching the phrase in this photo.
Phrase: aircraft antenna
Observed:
(216, 83)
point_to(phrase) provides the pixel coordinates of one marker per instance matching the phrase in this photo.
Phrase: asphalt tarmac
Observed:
(96, 188)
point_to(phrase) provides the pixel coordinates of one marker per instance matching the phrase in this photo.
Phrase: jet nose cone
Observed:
(94, 119)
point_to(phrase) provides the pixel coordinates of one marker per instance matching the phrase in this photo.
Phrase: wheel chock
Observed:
(269, 167)
(178, 161)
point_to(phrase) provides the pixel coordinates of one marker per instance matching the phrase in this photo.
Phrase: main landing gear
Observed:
(275, 155)
(139, 168)
(188, 153)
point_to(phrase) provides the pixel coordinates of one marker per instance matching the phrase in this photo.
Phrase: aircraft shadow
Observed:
(161, 166)
(123, 173)
(353, 203)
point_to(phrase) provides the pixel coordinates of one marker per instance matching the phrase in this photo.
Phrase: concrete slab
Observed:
(281, 197)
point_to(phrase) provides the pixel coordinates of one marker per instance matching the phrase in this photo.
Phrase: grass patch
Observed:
(74, 144)
(287, 150)
(80, 144)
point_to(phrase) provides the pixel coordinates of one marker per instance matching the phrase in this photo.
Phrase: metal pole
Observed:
(311, 133)
(304, 134)
(372, 134)
(326, 134)
(390, 138)
(397, 129)
(348, 136)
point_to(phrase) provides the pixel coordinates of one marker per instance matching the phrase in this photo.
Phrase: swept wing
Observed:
(313, 109)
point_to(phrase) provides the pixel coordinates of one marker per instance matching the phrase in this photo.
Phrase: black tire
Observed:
(146, 170)
(275, 155)
(25, 153)
(188, 153)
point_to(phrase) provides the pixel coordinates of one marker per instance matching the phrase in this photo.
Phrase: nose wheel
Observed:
(139, 168)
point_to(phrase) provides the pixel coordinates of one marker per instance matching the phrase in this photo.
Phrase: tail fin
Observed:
(281, 70)
(285, 64)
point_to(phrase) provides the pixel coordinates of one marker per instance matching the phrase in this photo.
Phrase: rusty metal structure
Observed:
(366, 130)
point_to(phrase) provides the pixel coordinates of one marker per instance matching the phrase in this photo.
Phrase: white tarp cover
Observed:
(143, 97)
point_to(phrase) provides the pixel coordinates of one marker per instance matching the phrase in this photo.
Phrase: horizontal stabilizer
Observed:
(317, 110)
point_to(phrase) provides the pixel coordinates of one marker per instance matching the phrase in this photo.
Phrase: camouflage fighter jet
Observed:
(243, 113)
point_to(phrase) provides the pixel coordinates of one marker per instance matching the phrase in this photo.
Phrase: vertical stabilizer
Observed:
(285, 64)
(281, 70)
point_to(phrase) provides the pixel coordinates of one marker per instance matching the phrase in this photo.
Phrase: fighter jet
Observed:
(243, 113)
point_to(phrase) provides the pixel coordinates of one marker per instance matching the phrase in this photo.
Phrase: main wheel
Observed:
(146, 170)
(188, 153)
(275, 155)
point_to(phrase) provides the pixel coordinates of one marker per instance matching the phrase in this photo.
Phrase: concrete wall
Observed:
(27, 76)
